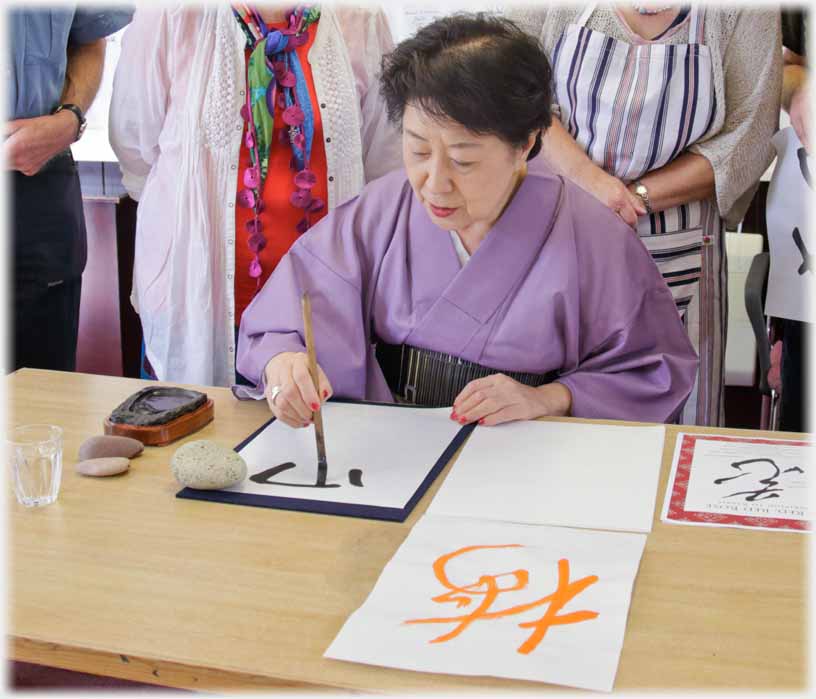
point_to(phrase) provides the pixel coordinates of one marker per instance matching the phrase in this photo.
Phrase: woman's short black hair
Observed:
(479, 70)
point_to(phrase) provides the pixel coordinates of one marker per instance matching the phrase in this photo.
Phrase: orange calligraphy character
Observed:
(488, 587)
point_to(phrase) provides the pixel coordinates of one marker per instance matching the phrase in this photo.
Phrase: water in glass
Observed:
(36, 463)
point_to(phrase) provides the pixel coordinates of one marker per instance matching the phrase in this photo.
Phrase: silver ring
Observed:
(274, 393)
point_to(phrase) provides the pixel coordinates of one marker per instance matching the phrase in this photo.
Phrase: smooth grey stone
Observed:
(157, 405)
(103, 467)
(103, 446)
(205, 465)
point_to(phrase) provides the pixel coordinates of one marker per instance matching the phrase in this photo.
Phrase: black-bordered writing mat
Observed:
(393, 514)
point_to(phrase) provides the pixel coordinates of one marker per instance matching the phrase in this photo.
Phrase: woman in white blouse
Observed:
(236, 129)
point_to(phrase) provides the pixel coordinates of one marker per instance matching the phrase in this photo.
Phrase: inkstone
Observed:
(103, 467)
(157, 406)
(205, 465)
(103, 446)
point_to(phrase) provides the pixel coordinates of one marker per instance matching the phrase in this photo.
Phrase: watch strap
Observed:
(77, 113)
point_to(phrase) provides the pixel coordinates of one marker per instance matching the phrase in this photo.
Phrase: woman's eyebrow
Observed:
(461, 144)
(415, 135)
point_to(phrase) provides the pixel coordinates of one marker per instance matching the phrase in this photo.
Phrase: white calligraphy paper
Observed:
(748, 482)
(557, 473)
(792, 275)
(470, 597)
(377, 455)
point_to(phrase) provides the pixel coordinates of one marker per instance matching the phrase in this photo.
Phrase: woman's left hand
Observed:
(498, 398)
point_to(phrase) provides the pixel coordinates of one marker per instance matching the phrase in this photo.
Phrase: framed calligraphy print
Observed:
(739, 482)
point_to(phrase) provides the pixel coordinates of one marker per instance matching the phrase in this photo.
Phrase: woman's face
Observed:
(464, 180)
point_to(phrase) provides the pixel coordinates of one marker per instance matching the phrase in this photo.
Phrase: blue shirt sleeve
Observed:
(39, 40)
(92, 23)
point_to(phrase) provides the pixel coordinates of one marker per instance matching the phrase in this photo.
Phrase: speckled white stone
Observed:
(103, 467)
(205, 465)
(104, 446)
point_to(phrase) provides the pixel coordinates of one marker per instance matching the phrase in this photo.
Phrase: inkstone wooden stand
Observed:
(160, 415)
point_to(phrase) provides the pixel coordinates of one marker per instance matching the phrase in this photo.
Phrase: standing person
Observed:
(55, 68)
(666, 116)
(237, 128)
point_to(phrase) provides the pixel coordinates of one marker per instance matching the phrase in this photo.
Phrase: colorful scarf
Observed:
(275, 77)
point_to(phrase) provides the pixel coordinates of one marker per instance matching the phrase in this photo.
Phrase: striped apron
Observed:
(634, 108)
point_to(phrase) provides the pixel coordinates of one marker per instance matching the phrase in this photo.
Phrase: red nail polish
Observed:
(454, 416)
(481, 421)
(325, 394)
(462, 420)
(315, 406)
(306, 424)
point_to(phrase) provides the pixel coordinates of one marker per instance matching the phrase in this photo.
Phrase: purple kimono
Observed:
(559, 284)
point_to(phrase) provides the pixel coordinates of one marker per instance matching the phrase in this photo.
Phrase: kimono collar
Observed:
(510, 249)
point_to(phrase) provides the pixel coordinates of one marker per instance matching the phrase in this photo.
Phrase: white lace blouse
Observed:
(176, 128)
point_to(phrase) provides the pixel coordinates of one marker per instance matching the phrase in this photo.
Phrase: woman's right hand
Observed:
(297, 397)
(609, 190)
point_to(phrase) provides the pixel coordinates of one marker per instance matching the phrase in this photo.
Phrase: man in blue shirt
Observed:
(55, 68)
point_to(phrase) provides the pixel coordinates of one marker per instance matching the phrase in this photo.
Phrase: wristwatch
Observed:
(83, 122)
(643, 193)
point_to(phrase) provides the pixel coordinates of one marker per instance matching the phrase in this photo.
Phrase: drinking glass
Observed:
(35, 452)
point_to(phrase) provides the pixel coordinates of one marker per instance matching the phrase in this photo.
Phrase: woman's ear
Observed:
(533, 147)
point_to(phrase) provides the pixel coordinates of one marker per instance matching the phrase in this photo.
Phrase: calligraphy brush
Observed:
(317, 416)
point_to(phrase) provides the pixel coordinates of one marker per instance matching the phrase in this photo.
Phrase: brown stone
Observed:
(103, 467)
(104, 446)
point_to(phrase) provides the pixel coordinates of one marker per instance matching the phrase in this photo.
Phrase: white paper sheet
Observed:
(555, 473)
(792, 275)
(726, 481)
(524, 562)
(394, 448)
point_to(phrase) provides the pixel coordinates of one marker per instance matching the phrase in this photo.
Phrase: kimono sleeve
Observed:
(331, 262)
(635, 361)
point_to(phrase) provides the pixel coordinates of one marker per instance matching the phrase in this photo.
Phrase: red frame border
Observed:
(676, 510)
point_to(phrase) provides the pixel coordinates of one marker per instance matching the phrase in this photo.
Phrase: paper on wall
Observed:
(792, 275)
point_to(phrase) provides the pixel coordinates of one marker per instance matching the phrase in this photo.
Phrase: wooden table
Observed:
(121, 578)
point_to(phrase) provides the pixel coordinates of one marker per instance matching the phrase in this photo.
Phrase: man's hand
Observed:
(31, 143)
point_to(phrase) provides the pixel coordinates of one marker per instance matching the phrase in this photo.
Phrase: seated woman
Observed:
(463, 280)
